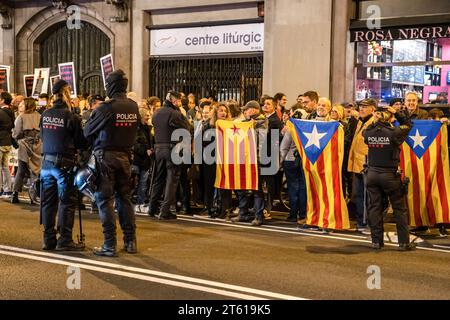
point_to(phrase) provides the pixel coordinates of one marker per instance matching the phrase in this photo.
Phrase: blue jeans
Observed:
(142, 186)
(58, 197)
(296, 186)
(258, 204)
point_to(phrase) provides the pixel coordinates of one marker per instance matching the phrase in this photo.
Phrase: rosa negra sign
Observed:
(217, 39)
(401, 33)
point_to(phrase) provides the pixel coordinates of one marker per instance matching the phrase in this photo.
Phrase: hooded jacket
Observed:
(113, 124)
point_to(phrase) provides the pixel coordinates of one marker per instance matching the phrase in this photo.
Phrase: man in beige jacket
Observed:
(357, 159)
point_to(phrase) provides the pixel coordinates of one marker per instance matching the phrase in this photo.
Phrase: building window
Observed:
(388, 69)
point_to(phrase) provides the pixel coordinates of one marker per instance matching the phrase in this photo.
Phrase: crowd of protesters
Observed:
(19, 129)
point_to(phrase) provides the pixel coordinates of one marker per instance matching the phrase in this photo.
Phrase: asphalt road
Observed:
(202, 259)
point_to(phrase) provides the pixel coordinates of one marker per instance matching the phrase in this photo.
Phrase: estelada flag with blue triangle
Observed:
(424, 160)
(321, 147)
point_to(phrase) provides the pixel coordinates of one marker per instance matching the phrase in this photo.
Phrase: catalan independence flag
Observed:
(236, 156)
(321, 147)
(424, 160)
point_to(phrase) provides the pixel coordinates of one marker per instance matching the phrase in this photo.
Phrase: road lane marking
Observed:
(360, 239)
(173, 279)
(286, 230)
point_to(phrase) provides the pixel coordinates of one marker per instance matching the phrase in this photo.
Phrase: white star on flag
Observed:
(314, 137)
(418, 139)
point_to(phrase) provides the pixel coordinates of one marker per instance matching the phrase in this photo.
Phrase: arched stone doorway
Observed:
(31, 39)
(83, 46)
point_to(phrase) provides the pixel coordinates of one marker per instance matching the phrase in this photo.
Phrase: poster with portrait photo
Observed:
(67, 73)
(107, 65)
(28, 81)
(4, 78)
(40, 81)
(53, 80)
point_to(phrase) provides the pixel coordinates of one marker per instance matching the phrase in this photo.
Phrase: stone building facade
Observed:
(306, 42)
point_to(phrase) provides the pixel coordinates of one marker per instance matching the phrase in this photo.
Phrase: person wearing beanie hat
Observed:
(62, 136)
(252, 104)
(112, 127)
(396, 103)
(252, 111)
(59, 85)
(116, 82)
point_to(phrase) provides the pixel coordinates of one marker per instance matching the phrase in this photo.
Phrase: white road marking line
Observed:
(241, 226)
(299, 233)
(439, 246)
(264, 227)
(302, 233)
(133, 270)
(134, 276)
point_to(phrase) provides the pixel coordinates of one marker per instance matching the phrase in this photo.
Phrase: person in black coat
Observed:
(142, 152)
(112, 130)
(62, 137)
(167, 174)
(273, 181)
(6, 125)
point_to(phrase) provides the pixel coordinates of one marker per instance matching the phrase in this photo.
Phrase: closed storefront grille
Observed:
(236, 77)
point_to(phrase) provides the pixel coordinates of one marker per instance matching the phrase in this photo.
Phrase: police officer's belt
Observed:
(59, 159)
(165, 145)
(383, 169)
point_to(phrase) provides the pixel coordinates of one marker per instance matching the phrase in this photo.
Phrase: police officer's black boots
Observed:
(15, 197)
(49, 245)
(406, 246)
(130, 246)
(377, 246)
(105, 251)
(69, 246)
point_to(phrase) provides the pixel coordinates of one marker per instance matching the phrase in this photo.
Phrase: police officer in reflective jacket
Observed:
(62, 136)
(112, 130)
(383, 177)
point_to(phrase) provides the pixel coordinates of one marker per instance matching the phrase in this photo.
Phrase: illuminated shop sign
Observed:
(401, 33)
(216, 39)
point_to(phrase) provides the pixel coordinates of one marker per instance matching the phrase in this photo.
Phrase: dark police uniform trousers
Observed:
(386, 181)
(114, 183)
(166, 179)
(58, 196)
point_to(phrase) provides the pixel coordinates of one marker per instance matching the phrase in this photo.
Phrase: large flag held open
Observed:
(321, 147)
(424, 160)
(236, 156)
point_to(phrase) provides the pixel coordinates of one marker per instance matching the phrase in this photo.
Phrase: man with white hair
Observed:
(412, 105)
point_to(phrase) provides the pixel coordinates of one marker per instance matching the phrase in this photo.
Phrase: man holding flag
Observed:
(424, 160)
(321, 148)
(246, 165)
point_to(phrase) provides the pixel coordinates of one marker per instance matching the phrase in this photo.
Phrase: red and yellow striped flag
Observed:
(236, 156)
(321, 147)
(424, 160)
